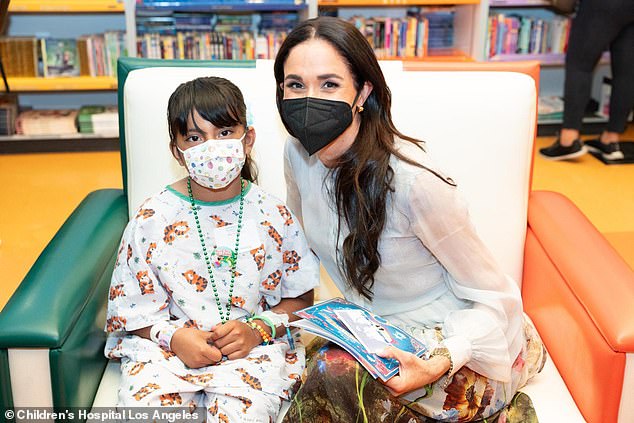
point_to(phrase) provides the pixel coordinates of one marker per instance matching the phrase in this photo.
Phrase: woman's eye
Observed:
(329, 84)
(193, 138)
(293, 85)
(225, 133)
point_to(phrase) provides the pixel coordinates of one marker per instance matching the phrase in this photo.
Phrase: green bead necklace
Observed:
(234, 254)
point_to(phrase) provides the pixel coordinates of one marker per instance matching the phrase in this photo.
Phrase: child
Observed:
(199, 267)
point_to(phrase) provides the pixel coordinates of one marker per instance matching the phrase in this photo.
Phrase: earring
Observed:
(359, 108)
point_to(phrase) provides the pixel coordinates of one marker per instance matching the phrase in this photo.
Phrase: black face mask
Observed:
(315, 121)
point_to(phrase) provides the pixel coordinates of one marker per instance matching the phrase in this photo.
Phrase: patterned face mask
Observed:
(215, 163)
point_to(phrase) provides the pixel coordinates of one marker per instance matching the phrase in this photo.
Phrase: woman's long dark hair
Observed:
(217, 100)
(363, 176)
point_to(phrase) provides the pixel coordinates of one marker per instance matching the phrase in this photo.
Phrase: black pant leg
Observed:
(595, 26)
(622, 62)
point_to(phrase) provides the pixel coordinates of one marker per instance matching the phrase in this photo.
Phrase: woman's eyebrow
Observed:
(293, 76)
(329, 76)
(320, 77)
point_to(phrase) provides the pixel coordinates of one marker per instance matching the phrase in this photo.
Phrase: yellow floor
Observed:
(39, 191)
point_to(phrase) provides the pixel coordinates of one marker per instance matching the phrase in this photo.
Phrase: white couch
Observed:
(480, 128)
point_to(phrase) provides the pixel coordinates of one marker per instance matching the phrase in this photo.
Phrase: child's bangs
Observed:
(219, 111)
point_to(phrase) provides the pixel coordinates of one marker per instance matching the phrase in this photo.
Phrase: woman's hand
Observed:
(414, 372)
(195, 347)
(235, 338)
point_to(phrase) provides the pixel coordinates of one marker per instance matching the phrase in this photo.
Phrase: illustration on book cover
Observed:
(360, 332)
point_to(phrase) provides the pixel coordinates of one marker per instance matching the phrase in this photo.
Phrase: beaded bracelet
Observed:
(268, 322)
(266, 338)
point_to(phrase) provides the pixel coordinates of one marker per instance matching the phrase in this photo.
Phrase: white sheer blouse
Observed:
(435, 270)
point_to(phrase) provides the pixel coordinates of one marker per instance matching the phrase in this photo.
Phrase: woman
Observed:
(395, 236)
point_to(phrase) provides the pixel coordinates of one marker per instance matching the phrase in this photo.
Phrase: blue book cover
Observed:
(360, 332)
(60, 57)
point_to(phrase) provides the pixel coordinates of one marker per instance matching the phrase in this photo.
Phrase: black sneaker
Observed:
(610, 151)
(558, 152)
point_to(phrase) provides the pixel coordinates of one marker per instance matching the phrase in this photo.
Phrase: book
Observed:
(46, 122)
(19, 56)
(60, 57)
(8, 113)
(360, 332)
(550, 107)
(96, 119)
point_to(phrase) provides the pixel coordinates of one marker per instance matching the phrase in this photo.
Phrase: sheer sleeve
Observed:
(293, 199)
(485, 337)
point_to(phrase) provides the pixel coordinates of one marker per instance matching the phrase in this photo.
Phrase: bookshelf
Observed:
(470, 34)
(66, 6)
(61, 19)
(152, 23)
(468, 20)
(469, 15)
(552, 30)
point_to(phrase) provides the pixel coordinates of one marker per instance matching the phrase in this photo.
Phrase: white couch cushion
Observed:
(478, 125)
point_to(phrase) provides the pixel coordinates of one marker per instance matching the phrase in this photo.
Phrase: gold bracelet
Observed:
(443, 352)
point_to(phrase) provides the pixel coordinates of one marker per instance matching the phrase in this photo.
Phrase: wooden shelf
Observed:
(16, 144)
(412, 63)
(216, 6)
(549, 59)
(591, 124)
(586, 119)
(66, 6)
(392, 3)
(77, 83)
(520, 3)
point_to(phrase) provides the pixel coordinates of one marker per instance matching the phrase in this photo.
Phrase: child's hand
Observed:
(193, 347)
(234, 338)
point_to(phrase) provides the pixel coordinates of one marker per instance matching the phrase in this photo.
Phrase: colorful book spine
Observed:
(517, 34)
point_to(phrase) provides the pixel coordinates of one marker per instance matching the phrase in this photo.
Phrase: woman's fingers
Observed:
(392, 352)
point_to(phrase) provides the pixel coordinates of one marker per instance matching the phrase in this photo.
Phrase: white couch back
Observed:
(478, 125)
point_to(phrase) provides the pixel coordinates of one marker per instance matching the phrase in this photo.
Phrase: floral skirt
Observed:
(338, 389)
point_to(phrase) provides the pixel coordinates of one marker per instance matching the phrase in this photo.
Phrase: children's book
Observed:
(60, 57)
(360, 332)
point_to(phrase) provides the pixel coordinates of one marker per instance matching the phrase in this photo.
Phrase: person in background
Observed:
(599, 24)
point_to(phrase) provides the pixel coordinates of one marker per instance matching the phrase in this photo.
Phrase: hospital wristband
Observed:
(162, 333)
(280, 319)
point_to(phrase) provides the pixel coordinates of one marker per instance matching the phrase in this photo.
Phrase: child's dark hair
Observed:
(217, 100)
